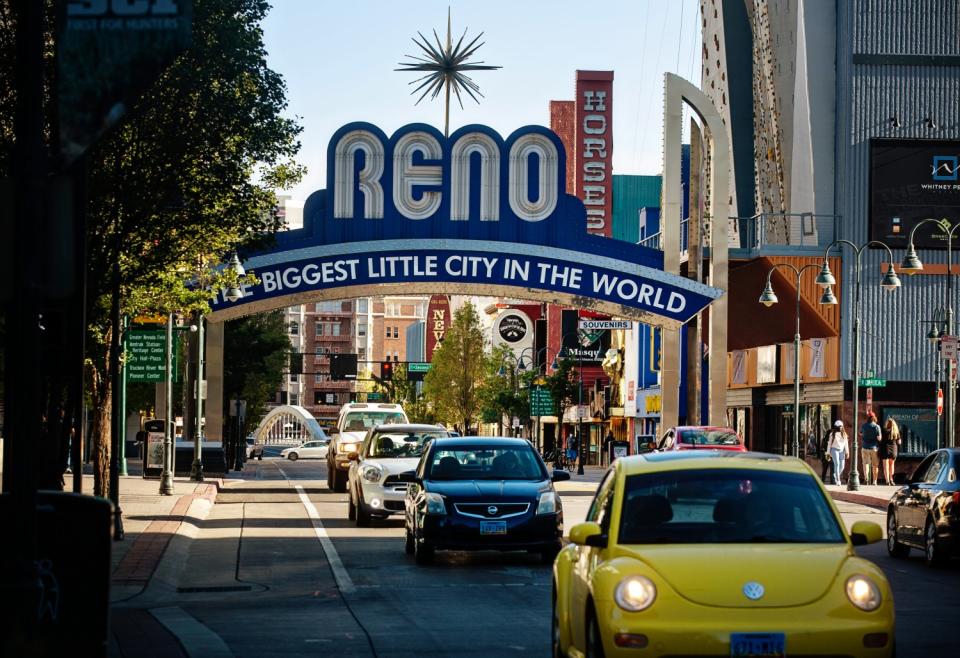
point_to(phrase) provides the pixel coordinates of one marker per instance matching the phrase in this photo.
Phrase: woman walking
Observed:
(839, 450)
(888, 449)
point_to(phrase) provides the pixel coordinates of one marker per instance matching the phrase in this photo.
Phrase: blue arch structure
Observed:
(475, 214)
(266, 430)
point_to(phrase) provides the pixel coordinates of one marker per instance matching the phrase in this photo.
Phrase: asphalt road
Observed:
(263, 576)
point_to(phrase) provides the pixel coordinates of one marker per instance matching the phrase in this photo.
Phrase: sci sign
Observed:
(420, 213)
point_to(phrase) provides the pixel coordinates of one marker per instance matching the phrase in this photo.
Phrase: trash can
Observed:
(74, 544)
(618, 449)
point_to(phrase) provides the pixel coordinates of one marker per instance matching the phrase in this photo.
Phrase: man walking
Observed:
(869, 448)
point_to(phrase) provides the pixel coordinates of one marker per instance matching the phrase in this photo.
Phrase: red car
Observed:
(701, 437)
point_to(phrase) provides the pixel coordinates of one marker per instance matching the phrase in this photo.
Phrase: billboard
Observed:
(438, 319)
(588, 345)
(594, 157)
(912, 180)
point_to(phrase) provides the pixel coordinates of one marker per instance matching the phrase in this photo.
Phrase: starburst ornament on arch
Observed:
(444, 67)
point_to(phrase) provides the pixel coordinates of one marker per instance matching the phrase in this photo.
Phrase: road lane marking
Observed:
(344, 582)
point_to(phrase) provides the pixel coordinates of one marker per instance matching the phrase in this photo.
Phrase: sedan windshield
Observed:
(480, 463)
(401, 445)
(725, 506)
(709, 438)
(357, 421)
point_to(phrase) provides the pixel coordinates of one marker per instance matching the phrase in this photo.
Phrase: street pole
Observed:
(580, 412)
(166, 477)
(196, 471)
(116, 410)
(123, 400)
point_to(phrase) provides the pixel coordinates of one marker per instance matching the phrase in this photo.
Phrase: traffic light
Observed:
(386, 371)
(343, 367)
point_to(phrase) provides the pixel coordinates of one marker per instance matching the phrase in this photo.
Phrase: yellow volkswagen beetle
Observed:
(725, 554)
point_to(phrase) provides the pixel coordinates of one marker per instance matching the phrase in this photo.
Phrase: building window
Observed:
(318, 378)
(362, 354)
(388, 332)
(396, 332)
(362, 329)
(362, 305)
(335, 329)
(318, 327)
(294, 328)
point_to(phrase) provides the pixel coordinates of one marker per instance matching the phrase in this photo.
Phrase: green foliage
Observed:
(564, 385)
(452, 386)
(505, 390)
(254, 359)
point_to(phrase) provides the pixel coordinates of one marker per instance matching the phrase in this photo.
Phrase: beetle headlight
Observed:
(863, 593)
(371, 472)
(435, 504)
(635, 593)
(347, 448)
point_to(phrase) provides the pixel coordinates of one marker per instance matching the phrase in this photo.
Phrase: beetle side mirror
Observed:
(353, 456)
(588, 534)
(865, 532)
(559, 475)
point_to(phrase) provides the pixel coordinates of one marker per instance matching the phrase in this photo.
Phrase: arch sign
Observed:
(475, 214)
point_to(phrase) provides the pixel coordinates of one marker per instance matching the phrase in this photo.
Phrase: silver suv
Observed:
(386, 452)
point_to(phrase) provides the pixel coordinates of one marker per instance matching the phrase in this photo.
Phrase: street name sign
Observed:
(418, 367)
(873, 382)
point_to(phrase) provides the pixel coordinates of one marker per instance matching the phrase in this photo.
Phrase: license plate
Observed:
(493, 527)
(758, 644)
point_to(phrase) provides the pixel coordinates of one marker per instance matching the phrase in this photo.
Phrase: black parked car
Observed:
(482, 494)
(925, 513)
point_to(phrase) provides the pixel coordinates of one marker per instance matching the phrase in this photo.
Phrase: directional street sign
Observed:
(541, 402)
(146, 355)
(604, 324)
(418, 367)
(873, 382)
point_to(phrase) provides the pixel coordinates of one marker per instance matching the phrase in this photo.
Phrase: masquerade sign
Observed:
(418, 213)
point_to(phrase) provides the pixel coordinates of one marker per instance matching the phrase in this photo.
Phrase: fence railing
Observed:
(766, 230)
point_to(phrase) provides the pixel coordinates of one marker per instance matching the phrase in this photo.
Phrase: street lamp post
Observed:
(825, 280)
(166, 476)
(196, 470)
(768, 299)
(937, 331)
(911, 265)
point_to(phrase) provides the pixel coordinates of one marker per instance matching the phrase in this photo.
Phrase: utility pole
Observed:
(166, 477)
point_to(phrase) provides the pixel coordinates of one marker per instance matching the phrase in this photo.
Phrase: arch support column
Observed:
(214, 363)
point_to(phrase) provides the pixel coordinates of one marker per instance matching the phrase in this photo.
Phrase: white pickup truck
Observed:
(353, 423)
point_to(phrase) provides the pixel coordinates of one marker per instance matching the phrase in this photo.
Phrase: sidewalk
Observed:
(870, 496)
(150, 523)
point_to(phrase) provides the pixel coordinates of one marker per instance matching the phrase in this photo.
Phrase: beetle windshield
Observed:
(482, 463)
(725, 506)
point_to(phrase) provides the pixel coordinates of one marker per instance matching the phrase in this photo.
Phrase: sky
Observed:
(338, 59)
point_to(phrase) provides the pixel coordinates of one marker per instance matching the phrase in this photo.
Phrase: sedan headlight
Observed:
(371, 472)
(435, 504)
(635, 593)
(863, 593)
(347, 448)
(548, 503)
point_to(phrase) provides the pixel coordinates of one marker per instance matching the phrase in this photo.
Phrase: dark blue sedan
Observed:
(479, 493)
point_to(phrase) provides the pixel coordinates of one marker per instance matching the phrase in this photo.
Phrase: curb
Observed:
(860, 499)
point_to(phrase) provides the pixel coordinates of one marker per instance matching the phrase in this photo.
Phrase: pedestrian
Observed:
(826, 461)
(889, 448)
(870, 448)
(839, 448)
(607, 442)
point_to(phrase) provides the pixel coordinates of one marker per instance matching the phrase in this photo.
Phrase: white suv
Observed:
(389, 450)
(352, 424)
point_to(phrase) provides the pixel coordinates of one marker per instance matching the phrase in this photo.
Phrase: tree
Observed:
(255, 354)
(453, 383)
(564, 386)
(505, 390)
(187, 178)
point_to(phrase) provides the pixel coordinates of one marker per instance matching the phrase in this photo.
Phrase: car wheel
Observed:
(293, 456)
(894, 547)
(339, 481)
(363, 514)
(555, 649)
(422, 551)
(351, 509)
(329, 476)
(408, 543)
(933, 549)
(594, 640)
